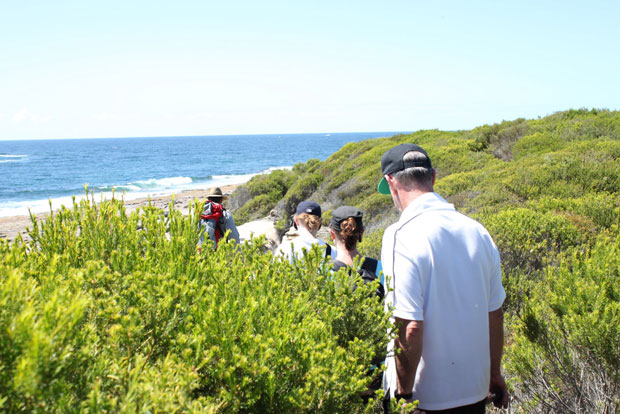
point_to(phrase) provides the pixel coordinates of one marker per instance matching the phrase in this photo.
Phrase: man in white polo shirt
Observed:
(447, 295)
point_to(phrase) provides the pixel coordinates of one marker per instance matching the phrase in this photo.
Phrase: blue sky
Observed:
(72, 69)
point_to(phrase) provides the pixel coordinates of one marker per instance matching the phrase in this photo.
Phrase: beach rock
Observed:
(238, 198)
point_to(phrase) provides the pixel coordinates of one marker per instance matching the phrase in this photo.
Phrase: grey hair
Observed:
(415, 177)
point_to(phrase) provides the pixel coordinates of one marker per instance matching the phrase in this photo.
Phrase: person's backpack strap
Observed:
(328, 250)
(370, 264)
(368, 274)
(337, 265)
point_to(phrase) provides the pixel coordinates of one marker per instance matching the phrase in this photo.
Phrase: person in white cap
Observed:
(446, 295)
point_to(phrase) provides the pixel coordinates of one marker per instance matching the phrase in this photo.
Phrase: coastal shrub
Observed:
(259, 206)
(580, 125)
(482, 137)
(456, 157)
(593, 212)
(112, 312)
(490, 196)
(302, 189)
(528, 240)
(498, 139)
(339, 177)
(265, 191)
(536, 144)
(591, 166)
(565, 354)
(371, 244)
(42, 347)
(577, 169)
(459, 182)
(375, 207)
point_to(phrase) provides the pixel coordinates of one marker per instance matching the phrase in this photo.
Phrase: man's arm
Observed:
(496, 343)
(409, 342)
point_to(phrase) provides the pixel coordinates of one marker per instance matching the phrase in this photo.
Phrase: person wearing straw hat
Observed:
(446, 295)
(215, 220)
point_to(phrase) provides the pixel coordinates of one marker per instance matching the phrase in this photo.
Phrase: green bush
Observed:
(565, 355)
(536, 144)
(371, 244)
(302, 190)
(592, 212)
(109, 312)
(528, 240)
(265, 191)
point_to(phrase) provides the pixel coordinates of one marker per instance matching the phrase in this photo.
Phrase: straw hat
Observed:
(217, 193)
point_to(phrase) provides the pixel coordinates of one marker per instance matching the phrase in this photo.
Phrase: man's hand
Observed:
(497, 386)
(498, 392)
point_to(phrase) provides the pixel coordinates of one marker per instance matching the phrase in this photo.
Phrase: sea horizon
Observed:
(199, 136)
(39, 171)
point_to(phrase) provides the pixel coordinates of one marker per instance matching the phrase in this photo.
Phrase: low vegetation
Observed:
(548, 190)
(99, 317)
(112, 312)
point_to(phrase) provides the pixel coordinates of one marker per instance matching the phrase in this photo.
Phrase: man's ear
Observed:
(391, 180)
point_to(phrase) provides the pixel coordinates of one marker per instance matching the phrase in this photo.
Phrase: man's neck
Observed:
(408, 197)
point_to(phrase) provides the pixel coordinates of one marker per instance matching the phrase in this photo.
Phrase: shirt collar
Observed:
(425, 202)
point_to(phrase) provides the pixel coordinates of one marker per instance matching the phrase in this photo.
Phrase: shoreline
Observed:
(12, 226)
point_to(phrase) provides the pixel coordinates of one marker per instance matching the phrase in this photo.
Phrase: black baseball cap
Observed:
(392, 161)
(309, 207)
(342, 213)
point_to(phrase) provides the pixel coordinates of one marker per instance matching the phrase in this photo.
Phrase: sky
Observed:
(86, 69)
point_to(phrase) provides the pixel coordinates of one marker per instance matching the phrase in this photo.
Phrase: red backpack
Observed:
(210, 222)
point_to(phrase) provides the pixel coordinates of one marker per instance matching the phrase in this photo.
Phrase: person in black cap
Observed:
(307, 221)
(446, 295)
(346, 229)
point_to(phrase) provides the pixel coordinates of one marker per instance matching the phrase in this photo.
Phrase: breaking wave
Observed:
(4, 158)
(132, 190)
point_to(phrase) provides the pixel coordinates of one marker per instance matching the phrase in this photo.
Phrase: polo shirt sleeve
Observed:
(497, 294)
(405, 278)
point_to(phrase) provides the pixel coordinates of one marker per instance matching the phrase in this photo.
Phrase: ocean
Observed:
(39, 171)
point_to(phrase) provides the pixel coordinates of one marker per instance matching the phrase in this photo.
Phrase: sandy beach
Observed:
(11, 227)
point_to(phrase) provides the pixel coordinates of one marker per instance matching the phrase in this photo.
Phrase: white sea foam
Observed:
(5, 158)
(163, 182)
(12, 156)
(130, 191)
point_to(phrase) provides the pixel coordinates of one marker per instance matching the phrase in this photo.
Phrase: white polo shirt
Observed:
(443, 269)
